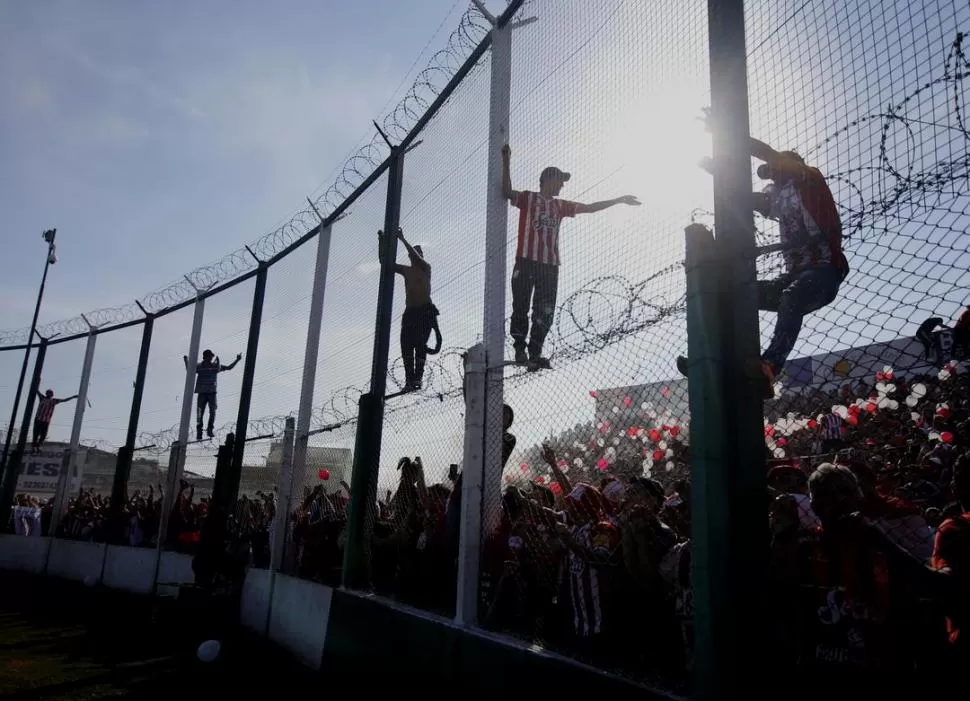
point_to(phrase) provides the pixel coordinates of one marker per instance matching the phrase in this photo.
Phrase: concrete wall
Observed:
(335, 630)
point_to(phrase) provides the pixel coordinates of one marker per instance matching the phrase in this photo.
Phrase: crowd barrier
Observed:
(329, 629)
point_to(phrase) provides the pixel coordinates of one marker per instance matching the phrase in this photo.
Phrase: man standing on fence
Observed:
(420, 316)
(45, 412)
(810, 230)
(535, 278)
(207, 373)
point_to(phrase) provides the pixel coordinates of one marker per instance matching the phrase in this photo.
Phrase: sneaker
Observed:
(521, 358)
(539, 363)
(198, 433)
(682, 365)
(210, 434)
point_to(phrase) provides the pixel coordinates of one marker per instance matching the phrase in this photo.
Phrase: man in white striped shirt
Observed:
(535, 278)
(831, 432)
(44, 415)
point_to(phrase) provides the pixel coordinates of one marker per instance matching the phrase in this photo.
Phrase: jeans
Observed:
(537, 283)
(416, 326)
(203, 399)
(792, 297)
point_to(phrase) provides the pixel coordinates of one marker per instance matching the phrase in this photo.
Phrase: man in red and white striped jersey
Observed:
(535, 278)
(45, 412)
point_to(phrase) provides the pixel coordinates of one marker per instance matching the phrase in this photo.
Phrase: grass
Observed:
(61, 640)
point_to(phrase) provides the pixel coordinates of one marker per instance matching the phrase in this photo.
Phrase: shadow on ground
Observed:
(62, 640)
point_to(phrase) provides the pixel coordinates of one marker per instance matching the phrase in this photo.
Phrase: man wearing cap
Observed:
(535, 277)
(810, 232)
(205, 388)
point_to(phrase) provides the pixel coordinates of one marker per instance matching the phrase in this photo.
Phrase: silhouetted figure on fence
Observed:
(535, 278)
(810, 230)
(44, 415)
(420, 316)
(934, 348)
(206, 381)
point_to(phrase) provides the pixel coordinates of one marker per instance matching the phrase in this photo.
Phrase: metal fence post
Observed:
(226, 484)
(119, 487)
(737, 551)
(470, 537)
(496, 279)
(70, 457)
(12, 472)
(370, 421)
(175, 457)
(175, 468)
(311, 354)
(283, 504)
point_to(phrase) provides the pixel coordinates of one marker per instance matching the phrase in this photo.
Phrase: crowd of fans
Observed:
(88, 518)
(868, 505)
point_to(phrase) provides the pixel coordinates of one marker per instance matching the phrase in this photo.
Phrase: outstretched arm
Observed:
(398, 268)
(416, 258)
(231, 365)
(606, 204)
(507, 191)
(778, 161)
(67, 399)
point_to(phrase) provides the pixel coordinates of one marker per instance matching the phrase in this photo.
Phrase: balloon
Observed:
(782, 442)
(665, 392)
(946, 437)
(912, 400)
(769, 430)
(324, 474)
(812, 424)
(541, 479)
(633, 431)
(627, 402)
(604, 427)
(658, 455)
(654, 435)
(918, 390)
(555, 488)
(943, 412)
(871, 407)
(593, 393)
(561, 463)
(209, 650)
(602, 464)
(852, 419)
(524, 467)
(675, 431)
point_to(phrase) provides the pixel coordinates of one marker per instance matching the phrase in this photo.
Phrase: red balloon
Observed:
(852, 419)
(812, 424)
(632, 431)
(593, 393)
(627, 401)
(524, 467)
(675, 431)
(658, 455)
(324, 474)
(555, 488)
(769, 430)
(943, 412)
(946, 437)
(781, 442)
(871, 407)
(602, 464)
(654, 435)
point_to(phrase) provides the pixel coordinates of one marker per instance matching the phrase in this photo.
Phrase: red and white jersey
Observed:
(808, 222)
(45, 409)
(539, 219)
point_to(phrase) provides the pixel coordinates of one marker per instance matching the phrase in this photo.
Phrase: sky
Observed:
(163, 150)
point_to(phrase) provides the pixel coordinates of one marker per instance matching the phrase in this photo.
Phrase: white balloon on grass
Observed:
(209, 650)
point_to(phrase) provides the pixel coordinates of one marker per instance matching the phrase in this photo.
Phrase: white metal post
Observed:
(470, 537)
(496, 279)
(69, 465)
(310, 356)
(176, 467)
(283, 501)
(176, 457)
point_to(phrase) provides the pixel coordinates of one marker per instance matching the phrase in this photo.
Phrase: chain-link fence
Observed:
(514, 443)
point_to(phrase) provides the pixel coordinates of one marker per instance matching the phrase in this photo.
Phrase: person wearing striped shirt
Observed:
(45, 412)
(831, 432)
(535, 277)
(207, 375)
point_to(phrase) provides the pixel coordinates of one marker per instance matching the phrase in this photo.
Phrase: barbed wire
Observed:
(472, 28)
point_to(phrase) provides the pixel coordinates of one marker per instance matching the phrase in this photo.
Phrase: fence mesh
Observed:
(586, 540)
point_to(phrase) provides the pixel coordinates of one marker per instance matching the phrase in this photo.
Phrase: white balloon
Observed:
(918, 390)
(209, 650)
(912, 400)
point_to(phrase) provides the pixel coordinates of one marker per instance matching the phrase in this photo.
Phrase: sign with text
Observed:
(40, 471)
